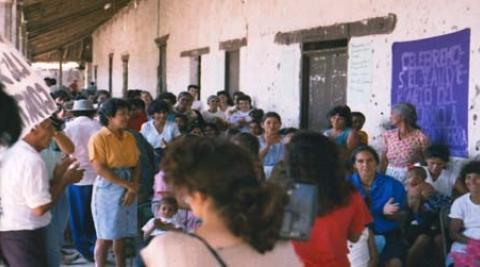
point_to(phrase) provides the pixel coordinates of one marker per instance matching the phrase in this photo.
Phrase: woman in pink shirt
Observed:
(404, 145)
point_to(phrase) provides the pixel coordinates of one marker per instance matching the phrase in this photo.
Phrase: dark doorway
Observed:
(232, 71)
(125, 59)
(110, 72)
(162, 69)
(196, 70)
(324, 81)
(95, 74)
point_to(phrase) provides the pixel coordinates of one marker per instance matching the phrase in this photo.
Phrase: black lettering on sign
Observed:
(17, 72)
(48, 103)
(19, 98)
(3, 78)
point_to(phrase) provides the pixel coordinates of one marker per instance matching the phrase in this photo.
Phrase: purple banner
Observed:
(432, 74)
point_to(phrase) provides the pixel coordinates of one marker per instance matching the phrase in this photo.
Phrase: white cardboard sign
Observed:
(26, 86)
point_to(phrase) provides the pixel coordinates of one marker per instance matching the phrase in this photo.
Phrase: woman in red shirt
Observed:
(342, 214)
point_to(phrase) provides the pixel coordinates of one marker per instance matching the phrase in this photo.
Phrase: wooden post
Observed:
(60, 69)
(125, 75)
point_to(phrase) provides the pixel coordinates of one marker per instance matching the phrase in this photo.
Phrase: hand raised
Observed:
(390, 207)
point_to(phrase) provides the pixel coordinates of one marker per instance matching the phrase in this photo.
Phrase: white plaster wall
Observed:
(132, 31)
(271, 72)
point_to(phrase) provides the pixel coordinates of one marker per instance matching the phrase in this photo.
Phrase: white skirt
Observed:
(359, 254)
(398, 173)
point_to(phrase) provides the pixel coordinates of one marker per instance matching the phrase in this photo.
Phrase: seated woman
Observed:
(386, 199)
(405, 145)
(465, 212)
(341, 132)
(159, 131)
(341, 215)
(272, 147)
(241, 218)
(240, 118)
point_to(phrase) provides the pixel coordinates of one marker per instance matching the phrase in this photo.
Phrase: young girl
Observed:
(465, 211)
(422, 231)
(165, 219)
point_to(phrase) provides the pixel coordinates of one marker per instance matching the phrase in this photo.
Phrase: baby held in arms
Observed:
(165, 219)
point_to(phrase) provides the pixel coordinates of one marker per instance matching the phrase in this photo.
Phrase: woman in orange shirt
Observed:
(114, 156)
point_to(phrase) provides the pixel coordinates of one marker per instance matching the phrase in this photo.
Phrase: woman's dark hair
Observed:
(358, 114)
(169, 201)
(109, 109)
(237, 94)
(244, 97)
(102, 92)
(226, 173)
(185, 94)
(231, 132)
(225, 93)
(196, 87)
(247, 141)
(134, 93)
(364, 148)
(272, 114)
(11, 126)
(168, 96)
(257, 115)
(470, 167)
(213, 126)
(286, 131)
(342, 111)
(62, 94)
(158, 106)
(136, 103)
(438, 151)
(313, 158)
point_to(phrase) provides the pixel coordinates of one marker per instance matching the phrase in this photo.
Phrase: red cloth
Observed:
(327, 246)
(137, 121)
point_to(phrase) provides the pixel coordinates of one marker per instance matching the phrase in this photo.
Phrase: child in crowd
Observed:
(423, 229)
(465, 214)
(137, 114)
(250, 142)
(255, 128)
(241, 118)
(418, 190)
(358, 120)
(211, 130)
(165, 219)
(213, 114)
(182, 123)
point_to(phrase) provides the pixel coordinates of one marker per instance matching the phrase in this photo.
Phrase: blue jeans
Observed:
(54, 232)
(81, 221)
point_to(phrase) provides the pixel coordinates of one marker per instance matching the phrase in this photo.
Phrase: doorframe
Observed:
(308, 47)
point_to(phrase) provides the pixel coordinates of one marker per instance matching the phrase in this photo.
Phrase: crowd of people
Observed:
(185, 183)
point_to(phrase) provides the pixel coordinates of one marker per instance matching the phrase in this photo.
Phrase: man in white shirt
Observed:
(79, 130)
(213, 114)
(26, 197)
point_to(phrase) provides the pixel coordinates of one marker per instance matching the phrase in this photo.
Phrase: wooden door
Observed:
(324, 84)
